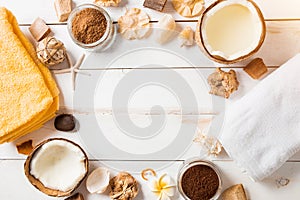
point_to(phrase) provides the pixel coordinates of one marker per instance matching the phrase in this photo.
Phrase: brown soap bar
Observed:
(39, 29)
(256, 68)
(76, 196)
(155, 4)
(25, 147)
(63, 9)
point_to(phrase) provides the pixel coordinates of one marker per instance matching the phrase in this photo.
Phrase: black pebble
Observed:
(65, 122)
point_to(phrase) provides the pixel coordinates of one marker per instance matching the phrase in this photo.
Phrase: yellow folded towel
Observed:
(28, 93)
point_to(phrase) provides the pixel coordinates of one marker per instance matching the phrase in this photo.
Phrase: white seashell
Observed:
(98, 180)
(166, 26)
(186, 36)
(135, 24)
(209, 143)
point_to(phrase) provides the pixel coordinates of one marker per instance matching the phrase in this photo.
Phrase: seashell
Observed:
(98, 180)
(210, 144)
(107, 3)
(188, 8)
(166, 26)
(135, 24)
(186, 36)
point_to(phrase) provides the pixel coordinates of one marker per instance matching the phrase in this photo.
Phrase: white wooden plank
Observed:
(272, 10)
(281, 36)
(46, 10)
(98, 91)
(95, 93)
(282, 42)
(267, 189)
(108, 130)
(276, 54)
(17, 186)
(139, 111)
(165, 90)
(277, 9)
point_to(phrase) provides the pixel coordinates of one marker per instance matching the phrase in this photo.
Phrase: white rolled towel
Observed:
(261, 131)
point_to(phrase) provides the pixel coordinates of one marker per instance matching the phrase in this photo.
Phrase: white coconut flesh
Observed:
(231, 29)
(58, 165)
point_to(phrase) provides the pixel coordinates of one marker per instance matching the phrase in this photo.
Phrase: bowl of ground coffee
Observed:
(199, 180)
(91, 27)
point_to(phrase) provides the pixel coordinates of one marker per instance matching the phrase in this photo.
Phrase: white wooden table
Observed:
(282, 42)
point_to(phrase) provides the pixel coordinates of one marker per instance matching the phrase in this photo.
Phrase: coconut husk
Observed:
(235, 192)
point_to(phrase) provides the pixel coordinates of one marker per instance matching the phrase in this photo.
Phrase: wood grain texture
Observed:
(45, 9)
(282, 42)
(18, 186)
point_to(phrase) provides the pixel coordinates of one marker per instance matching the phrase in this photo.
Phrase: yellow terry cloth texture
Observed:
(28, 92)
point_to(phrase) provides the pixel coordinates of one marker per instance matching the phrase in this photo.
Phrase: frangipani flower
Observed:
(163, 187)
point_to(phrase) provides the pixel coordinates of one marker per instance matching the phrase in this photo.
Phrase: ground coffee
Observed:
(200, 182)
(89, 25)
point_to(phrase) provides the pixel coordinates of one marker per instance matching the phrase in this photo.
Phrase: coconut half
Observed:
(56, 167)
(230, 31)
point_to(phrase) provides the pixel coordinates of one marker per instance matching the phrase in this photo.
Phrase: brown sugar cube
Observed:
(39, 29)
(63, 9)
(155, 4)
(256, 68)
(25, 147)
(76, 196)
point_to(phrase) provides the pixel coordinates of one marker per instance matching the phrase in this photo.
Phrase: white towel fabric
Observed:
(262, 129)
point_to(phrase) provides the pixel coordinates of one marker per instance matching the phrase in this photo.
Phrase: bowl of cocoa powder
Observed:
(199, 180)
(90, 27)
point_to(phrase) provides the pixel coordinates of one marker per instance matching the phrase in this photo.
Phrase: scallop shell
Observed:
(135, 24)
(188, 8)
(166, 26)
(107, 3)
(98, 180)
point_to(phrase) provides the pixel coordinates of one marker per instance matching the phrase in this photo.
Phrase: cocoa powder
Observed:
(200, 182)
(89, 25)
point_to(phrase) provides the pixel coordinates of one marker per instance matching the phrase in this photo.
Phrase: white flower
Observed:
(164, 187)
